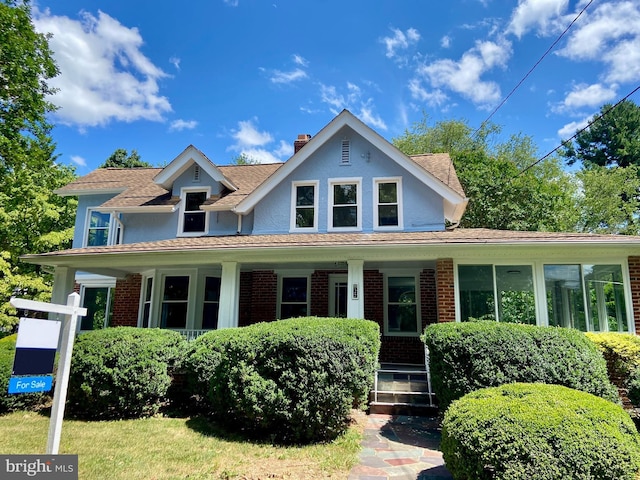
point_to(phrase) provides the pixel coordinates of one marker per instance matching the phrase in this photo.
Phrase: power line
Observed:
(578, 132)
(531, 69)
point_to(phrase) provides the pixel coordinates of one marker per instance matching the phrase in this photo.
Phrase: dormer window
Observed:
(193, 220)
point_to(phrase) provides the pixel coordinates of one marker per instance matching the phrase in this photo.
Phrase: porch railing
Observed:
(191, 334)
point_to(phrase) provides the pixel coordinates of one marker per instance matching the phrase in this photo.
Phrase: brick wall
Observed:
(246, 287)
(634, 276)
(264, 296)
(126, 301)
(445, 291)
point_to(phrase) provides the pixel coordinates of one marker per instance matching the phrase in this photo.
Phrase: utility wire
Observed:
(578, 132)
(531, 69)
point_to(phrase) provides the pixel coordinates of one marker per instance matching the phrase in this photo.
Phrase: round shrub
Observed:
(471, 355)
(19, 401)
(123, 372)
(291, 381)
(547, 432)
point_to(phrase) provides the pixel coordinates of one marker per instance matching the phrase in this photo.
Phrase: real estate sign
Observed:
(35, 354)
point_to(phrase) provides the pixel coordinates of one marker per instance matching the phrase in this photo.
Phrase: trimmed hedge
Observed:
(468, 356)
(123, 372)
(546, 432)
(20, 401)
(622, 353)
(290, 381)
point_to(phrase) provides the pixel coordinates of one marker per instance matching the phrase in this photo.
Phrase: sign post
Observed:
(72, 311)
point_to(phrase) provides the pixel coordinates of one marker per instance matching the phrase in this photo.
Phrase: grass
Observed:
(173, 448)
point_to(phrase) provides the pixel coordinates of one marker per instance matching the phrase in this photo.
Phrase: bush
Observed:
(546, 432)
(292, 381)
(123, 372)
(467, 356)
(622, 353)
(20, 401)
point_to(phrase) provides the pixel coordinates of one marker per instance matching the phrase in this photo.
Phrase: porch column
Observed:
(229, 295)
(355, 289)
(63, 282)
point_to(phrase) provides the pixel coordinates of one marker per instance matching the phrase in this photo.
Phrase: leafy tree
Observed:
(609, 201)
(32, 218)
(501, 197)
(120, 158)
(244, 159)
(613, 139)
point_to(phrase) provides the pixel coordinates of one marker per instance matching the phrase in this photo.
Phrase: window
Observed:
(501, 292)
(98, 302)
(193, 221)
(211, 303)
(294, 297)
(146, 302)
(305, 205)
(98, 231)
(600, 287)
(387, 209)
(345, 200)
(401, 306)
(175, 302)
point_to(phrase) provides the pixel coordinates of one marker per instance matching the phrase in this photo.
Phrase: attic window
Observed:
(345, 152)
(196, 173)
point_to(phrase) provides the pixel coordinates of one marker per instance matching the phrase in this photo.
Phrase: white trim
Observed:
(294, 197)
(183, 202)
(376, 182)
(331, 182)
(395, 273)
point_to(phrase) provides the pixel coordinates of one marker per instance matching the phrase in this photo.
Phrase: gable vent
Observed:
(345, 151)
(196, 173)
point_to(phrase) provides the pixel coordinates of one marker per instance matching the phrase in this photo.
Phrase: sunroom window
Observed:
(501, 292)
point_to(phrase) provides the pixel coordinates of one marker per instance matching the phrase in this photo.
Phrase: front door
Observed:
(338, 296)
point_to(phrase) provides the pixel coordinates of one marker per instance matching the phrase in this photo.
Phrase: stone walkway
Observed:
(400, 448)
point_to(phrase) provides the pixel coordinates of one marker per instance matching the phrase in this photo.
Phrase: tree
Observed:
(120, 158)
(611, 140)
(609, 200)
(501, 197)
(244, 159)
(32, 218)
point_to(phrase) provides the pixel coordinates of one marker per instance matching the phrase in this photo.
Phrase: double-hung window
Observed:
(193, 220)
(304, 201)
(98, 228)
(294, 296)
(402, 316)
(211, 302)
(175, 301)
(345, 204)
(387, 195)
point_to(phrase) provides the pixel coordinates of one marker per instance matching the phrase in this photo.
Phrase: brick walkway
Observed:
(400, 448)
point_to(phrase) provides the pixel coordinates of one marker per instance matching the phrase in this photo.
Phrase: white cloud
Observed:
(541, 14)
(78, 160)
(399, 41)
(433, 98)
(465, 76)
(175, 61)
(104, 76)
(353, 99)
(445, 42)
(179, 125)
(255, 145)
(232, 3)
(247, 135)
(609, 34)
(584, 95)
(300, 60)
(570, 129)
(288, 77)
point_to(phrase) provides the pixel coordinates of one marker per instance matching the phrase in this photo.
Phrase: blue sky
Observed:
(248, 76)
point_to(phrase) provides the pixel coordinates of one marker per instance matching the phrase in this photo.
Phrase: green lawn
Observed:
(172, 448)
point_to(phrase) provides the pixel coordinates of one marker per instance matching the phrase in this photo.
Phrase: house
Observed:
(349, 226)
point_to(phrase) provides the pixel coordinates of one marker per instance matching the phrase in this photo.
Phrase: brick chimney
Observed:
(300, 142)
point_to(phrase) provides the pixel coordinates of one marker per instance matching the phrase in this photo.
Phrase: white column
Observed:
(355, 287)
(63, 282)
(229, 295)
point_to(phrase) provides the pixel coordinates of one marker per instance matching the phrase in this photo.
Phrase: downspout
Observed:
(239, 223)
